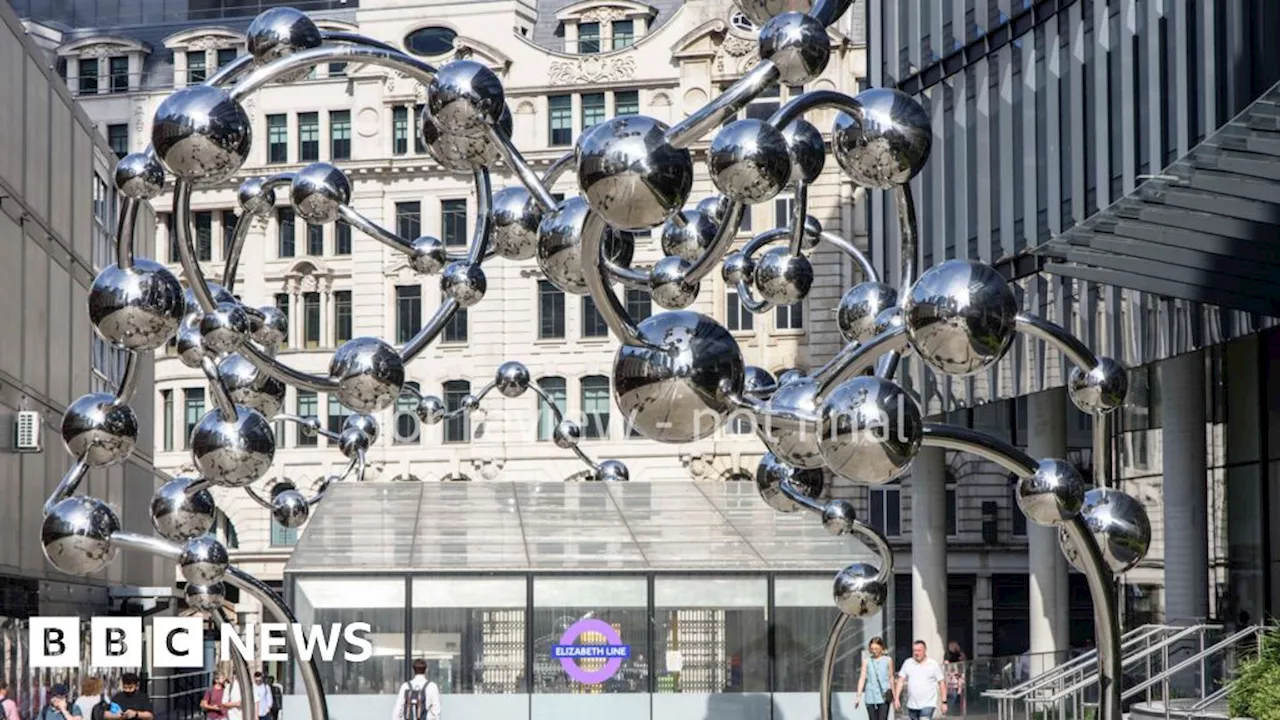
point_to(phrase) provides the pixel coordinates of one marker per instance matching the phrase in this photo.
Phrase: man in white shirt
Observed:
(418, 699)
(261, 696)
(232, 701)
(924, 682)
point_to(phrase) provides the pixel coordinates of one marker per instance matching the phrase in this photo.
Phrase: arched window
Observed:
(595, 407)
(408, 427)
(557, 389)
(457, 429)
(430, 41)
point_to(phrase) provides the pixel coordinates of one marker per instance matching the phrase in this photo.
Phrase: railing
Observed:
(1218, 660)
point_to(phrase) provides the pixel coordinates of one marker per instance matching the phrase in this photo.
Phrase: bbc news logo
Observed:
(178, 642)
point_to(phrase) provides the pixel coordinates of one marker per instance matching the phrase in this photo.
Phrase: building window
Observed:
(593, 324)
(560, 119)
(277, 139)
(555, 387)
(408, 428)
(166, 397)
(229, 220)
(789, 317)
(453, 222)
(341, 238)
(737, 316)
(595, 407)
(285, 232)
(626, 103)
(311, 319)
(204, 235)
(88, 76)
(337, 70)
(340, 135)
(193, 400)
(308, 137)
(431, 41)
(1019, 519)
(409, 220)
(315, 240)
(307, 407)
(341, 315)
(886, 509)
(408, 312)
(119, 70)
(457, 427)
(624, 34)
(196, 70)
(589, 38)
(118, 139)
(639, 304)
(745, 225)
(282, 536)
(550, 311)
(226, 56)
(338, 414)
(592, 110)
(282, 304)
(455, 331)
(399, 130)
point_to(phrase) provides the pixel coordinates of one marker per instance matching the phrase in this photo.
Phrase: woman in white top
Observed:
(90, 696)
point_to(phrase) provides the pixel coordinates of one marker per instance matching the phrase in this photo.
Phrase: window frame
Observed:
(342, 315)
(277, 139)
(562, 116)
(453, 222)
(595, 426)
(548, 291)
(456, 389)
(339, 122)
(408, 311)
(308, 137)
(113, 76)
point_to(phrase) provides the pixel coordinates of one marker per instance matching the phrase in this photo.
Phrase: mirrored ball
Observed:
(516, 217)
(225, 329)
(797, 44)
(560, 245)
(465, 98)
(511, 379)
(280, 32)
(612, 471)
(369, 374)
(251, 387)
(961, 317)
(179, 514)
(631, 175)
(794, 444)
(749, 161)
(1053, 495)
(808, 151)
(256, 198)
(1102, 389)
(201, 135)
(871, 430)
(669, 285)
(566, 434)
(138, 308)
(838, 517)
(690, 239)
(464, 282)
(76, 535)
(99, 429)
(1120, 526)
(204, 560)
(139, 176)
(318, 192)
(290, 509)
(857, 592)
(772, 472)
(859, 308)
(233, 452)
(205, 598)
(783, 278)
(887, 144)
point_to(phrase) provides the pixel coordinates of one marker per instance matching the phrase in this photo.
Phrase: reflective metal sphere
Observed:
(514, 228)
(857, 592)
(566, 434)
(871, 430)
(770, 474)
(761, 11)
(369, 374)
(812, 232)
(429, 255)
(225, 329)
(749, 161)
(138, 308)
(352, 442)
(960, 317)
(180, 515)
(205, 598)
(668, 284)
(782, 278)
(464, 282)
(76, 535)
(798, 44)
(465, 97)
(838, 517)
(219, 293)
(689, 241)
(470, 402)
(318, 192)
(888, 145)
(808, 149)
(512, 379)
(795, 446)
(1100, 390)
(256, 198)
(365, 424)
(290, 508)
(204, 560)
(280, 32)
(789, 376)
(630, 174)
(101, 430)
(888, 319)
(139, 176)
(201, 134)
(460, 153)
(560, 246)
(758, 382)
(672, 394)
(430, 409)
(190, 344)
(612, 471)
(860, 306)
(251, 387)
(1118, 523)
(1053, 495)
(273, 329)
(738, 268)
(233, 453)
(715, 207)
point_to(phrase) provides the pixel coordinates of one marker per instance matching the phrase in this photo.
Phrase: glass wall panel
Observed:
(380, 602)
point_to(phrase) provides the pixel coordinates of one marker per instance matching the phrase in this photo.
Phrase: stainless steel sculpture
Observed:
(678, 375)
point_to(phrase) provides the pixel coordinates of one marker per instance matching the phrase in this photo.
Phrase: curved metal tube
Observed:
(222, 398)
(855, 357)
(558, 168)
(186, 246)
(537, 188)
(68, 485)
(880, 544)
(639, 278)
(430, 331)
(800, 498)
(241, 233)
(229, 72)
(909, 231)
(248, 702)
(253, 495)
(129, 378)
(692, 128)
(357, 220)
(811, 101)
(392, 59)
(768, 417)
(825, 684)
(952, 437)
(719, 247)
(1071, 346)
(799, 213)
(125, 225)
(479, 249)
(284, 373)
(559, 416)
(607, 303)
(864, 263)
(1106, 618)
(754, 245)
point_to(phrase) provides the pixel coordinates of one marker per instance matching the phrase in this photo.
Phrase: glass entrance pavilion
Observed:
(694, 601)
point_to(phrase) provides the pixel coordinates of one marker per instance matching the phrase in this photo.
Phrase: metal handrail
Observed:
(1212, 698)
(1129, 661)
(1078, 663)
(1194, 659)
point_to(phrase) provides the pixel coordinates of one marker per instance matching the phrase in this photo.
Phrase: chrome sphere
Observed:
(99, 429)
(512, 379)
(857, 592)
(772, 472)
(715, 207)
(76, 535)
(365, 424)
(180, 515)
(1053, 495)
(280, 32)
(202, 135)
(1100, 390)
(566, 434)
(204, 560)
(782, 278)
(761, 12)
(798, 44)
(1120, 526)
(514, 227)
(369, 373)
(738, 268)
(139, 176)
(219, 293)
(812, 232)
(429, 255)
(273, 329)
(205, 598)
(838, 517)
(749, 161)
(236, 452)
(460, 153)
(888, 319)
(789, 376)
(808, 149)
(290, 508)
(960, 317)
(859, 308)
(431, 409)
(190, 344)
(690, 240)
(464, 282)
(352, 443)
(630, 174)
(669, 286)
(612, 471)
(256, 198)
(870, 430)
(795, 446)
(251, 387)
(560, 245)
(888, 144)
(669, 387)
(225, 329)
(465, 98)
(470, 402)
(318, 192)
(758, 381)
(138, 308)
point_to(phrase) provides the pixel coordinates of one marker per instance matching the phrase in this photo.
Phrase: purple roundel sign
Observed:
(613, 652)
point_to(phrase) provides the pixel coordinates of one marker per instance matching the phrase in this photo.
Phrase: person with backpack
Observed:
(211, 703)
(8, 706)
(59, 707)
(419, 699)
(277, 697)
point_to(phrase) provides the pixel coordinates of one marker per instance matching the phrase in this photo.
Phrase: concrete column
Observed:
(1186, 502)
(929, 550)
(1050, 600)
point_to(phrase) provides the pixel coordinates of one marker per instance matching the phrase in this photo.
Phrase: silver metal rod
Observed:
(799, 213)
(1106, 618)
(67, 487)
(125, 226)
(430, 331)
(186, 246)
(537, 189)
(284, 373)
(909, 230)
(229, 72)
(856, 358)
(769, 416)
(825, 685)
(393, 59)
(952, 437)
(253, 495)
(607, 303)
(692, 128)
(484, 217)
(828, 12)
(719, 247)
(559, 416)
(248, 701)
(243, 223)
(222, 398)
(869, 273)
(879, 544)
(754, 245)
(800, 498)
(749, 300)
(639, 278)
(1066, 343)
(129, 378)
(1103, 467)
(814, 100)
(558, 168)
(357, 220)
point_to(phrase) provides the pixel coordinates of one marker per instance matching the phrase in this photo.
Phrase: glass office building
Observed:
(723, 604)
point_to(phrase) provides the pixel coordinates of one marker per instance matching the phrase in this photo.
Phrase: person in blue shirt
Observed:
(874, 682)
